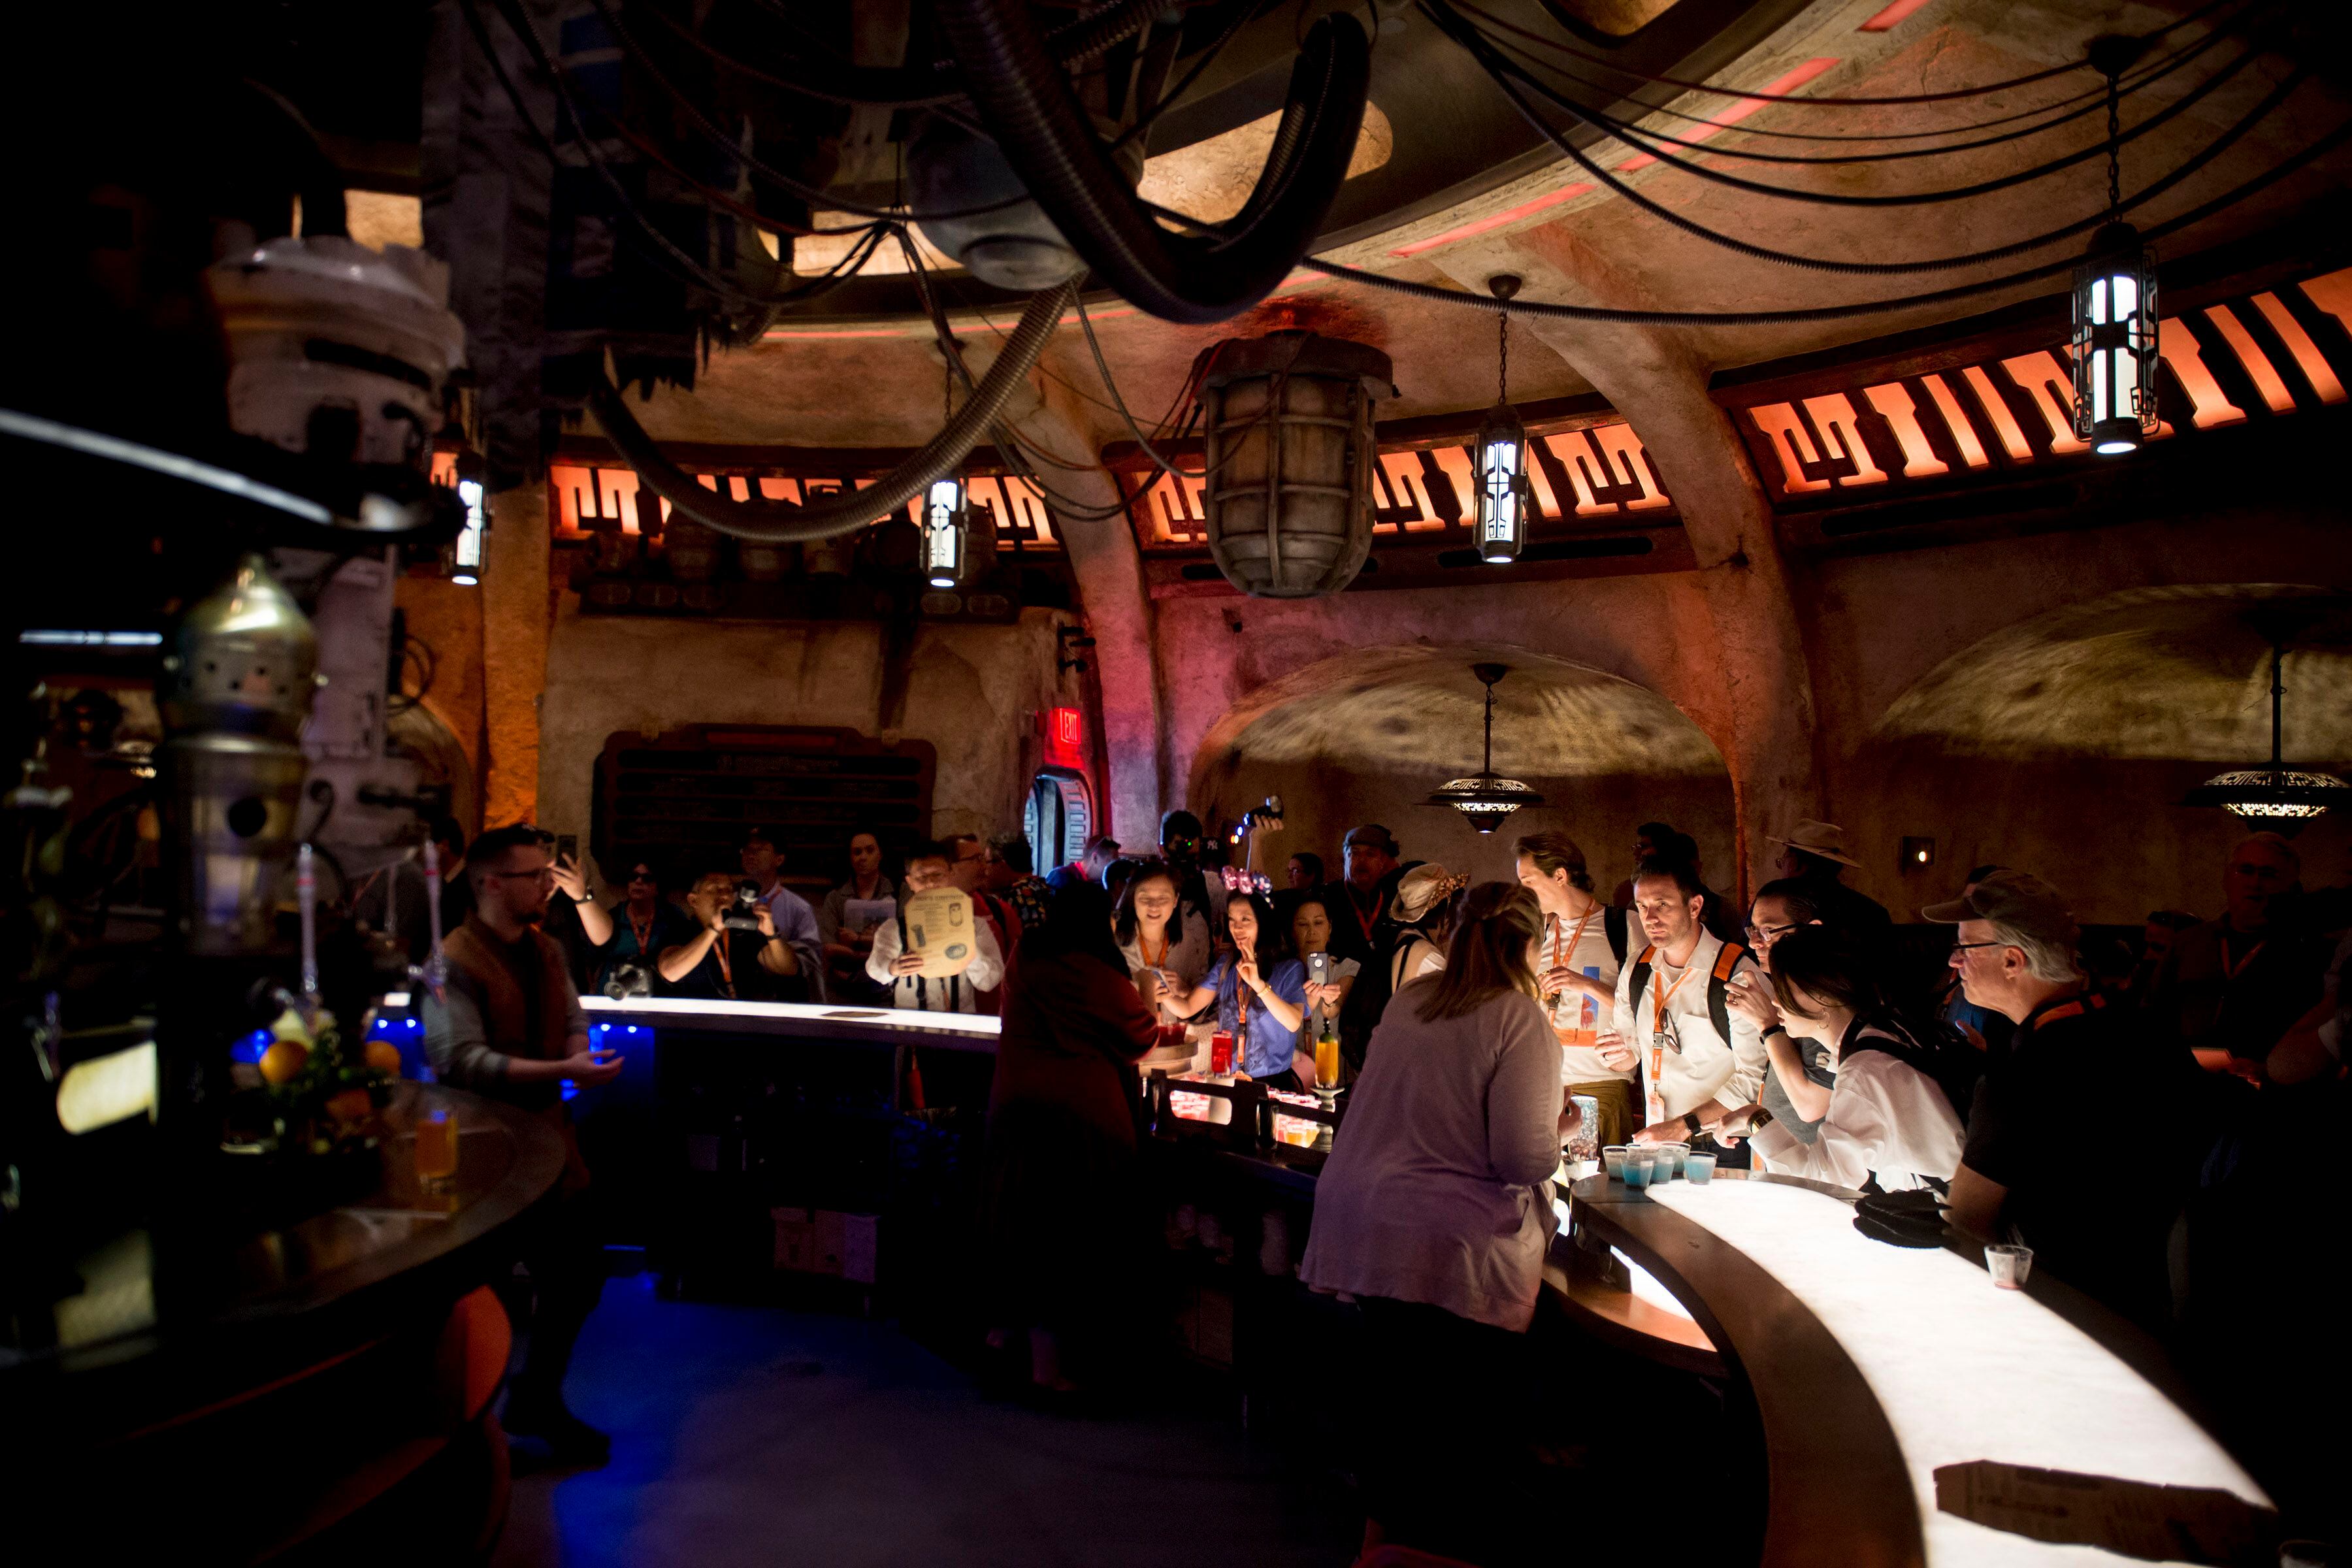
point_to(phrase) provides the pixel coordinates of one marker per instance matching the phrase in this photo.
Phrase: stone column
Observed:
(1109, 566)
(1652, 376)
(514, 652)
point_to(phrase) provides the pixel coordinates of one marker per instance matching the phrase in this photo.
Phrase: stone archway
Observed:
(1365, 735)
(2063, 745)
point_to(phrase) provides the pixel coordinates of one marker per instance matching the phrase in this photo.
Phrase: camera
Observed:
(629, 980)
(744, 914)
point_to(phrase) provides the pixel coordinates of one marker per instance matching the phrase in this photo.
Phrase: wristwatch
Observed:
(1691, 1123)
(1771, 1029)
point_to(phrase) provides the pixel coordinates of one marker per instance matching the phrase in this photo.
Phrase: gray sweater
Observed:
(1436, 1190)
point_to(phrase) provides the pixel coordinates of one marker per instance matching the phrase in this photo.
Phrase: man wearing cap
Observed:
(1814, 853)
(2076, 1070)
(2233, 987)
(793, 917)
(1179, 846)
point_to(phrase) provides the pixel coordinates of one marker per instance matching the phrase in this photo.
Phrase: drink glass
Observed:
(1584, 1143)
(437, 1150)
(1613, 1158)
(1638, 1167)
(1699, 1170)
(2008, 1264)
(1670, 1161)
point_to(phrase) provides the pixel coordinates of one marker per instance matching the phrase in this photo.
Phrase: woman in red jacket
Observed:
(1063, 1212)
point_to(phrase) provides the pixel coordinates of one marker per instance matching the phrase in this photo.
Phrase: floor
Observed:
(752, 1435)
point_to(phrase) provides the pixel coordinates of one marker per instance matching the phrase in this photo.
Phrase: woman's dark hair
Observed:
(1830, 970)
(1795, 896)
(1143, 871)
(1077, 923)
(1495, 929)
(1272, 932)
(1313, 863)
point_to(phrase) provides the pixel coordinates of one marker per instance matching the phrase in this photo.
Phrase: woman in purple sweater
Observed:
(1434, 1213)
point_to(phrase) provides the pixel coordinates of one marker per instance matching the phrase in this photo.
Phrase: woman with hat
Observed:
(1423, 911)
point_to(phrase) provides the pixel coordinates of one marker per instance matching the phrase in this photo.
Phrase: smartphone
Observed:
(1319, 968)
(567, 847)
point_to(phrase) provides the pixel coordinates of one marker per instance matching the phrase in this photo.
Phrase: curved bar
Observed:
(1840, 1491)
(802, 1021)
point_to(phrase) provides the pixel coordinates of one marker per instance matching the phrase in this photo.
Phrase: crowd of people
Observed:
(1471, 1025)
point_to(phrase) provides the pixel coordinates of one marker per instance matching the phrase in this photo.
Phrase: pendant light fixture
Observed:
(947, 519)
(2276, 794)
(2114, 337)
(1502, 450)
(1485, 798)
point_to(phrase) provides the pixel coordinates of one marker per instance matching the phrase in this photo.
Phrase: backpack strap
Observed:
(1640, 982)
(1718, 985)
(1614, 924)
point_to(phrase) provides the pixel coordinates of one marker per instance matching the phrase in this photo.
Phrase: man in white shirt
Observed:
(1692, 1070)
(889, 964)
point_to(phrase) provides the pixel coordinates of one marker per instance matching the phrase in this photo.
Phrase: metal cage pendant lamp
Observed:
(2276, 794)
(947, 521)
(2115, 336)
(1485, 797)
(1502, 451)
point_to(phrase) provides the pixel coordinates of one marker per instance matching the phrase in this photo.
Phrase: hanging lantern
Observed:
(1502, 450)
(2115, 341)
(947, 523)
(2276, 794)
(1485, 797)
(466, 549)
(1502, 485)
(1289, 419)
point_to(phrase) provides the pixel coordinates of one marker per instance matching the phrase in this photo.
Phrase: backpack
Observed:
(1718, 982)
(1938, 1052)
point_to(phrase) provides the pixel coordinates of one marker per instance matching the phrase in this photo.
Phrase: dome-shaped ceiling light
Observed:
(1485, 798)
(2277, 793)
(2114, 337)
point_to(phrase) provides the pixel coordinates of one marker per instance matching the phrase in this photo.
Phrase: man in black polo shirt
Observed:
(2048, 1160)
(1362, 905)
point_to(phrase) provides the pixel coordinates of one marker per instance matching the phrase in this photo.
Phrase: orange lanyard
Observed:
(2231, 971)
(644, 933)
(1658, 1018)
(1563, 956)
(726, 967)
(1143, 947)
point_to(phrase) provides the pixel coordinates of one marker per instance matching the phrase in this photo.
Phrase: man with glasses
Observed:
(2027, 1172)
(510, 1026)
(2233, 987)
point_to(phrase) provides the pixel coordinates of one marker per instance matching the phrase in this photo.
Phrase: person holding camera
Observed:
(736, 955)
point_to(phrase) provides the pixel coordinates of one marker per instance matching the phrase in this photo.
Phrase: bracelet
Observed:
(1771, 1029)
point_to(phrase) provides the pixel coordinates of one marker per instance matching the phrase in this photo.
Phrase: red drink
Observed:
(1221, 1055)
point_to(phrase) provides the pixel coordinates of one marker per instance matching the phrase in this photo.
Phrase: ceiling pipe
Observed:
(787, 523)
(1026, 102)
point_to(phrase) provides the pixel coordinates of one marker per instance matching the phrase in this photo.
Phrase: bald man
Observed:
(2235, 985)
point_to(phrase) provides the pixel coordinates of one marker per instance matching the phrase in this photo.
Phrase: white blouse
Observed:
(1884, 1116)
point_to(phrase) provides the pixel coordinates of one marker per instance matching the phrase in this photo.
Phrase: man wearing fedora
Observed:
(1814, 853)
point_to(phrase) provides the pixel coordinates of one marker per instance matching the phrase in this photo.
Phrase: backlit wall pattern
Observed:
(2248, 358)
(586, 501)
(1430, 493)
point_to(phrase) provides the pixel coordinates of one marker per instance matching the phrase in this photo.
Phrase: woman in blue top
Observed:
(1260, 996)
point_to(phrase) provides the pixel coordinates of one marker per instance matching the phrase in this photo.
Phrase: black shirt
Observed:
(741, 980)
(2084, 1128)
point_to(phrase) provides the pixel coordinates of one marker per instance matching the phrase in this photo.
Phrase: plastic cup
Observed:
(1670, 1161)
(1699, 1170)
(2009, 1264)
(1613, 1158)
(1638, 1167)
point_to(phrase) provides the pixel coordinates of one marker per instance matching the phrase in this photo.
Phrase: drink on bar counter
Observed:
(436, 1149)
(1327, 1054)
(1221, 1055)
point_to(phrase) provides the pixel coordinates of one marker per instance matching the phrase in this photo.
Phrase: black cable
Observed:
(1169, 100)
(1498, 70)
(2293, 165)
(1626, 132)
(1073, 42)
(1826, 264)
(1986, 91)
(2090, 99)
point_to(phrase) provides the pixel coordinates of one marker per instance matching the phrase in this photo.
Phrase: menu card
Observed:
(2138, 1519)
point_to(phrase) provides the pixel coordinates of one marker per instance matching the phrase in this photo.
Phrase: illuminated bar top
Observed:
(1959, 1369)
(802, 1020)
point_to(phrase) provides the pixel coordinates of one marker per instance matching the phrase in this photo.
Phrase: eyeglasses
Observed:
(1961, 947)
(544, 874)
(1761, 932)
(968, 860)
(642, 877)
